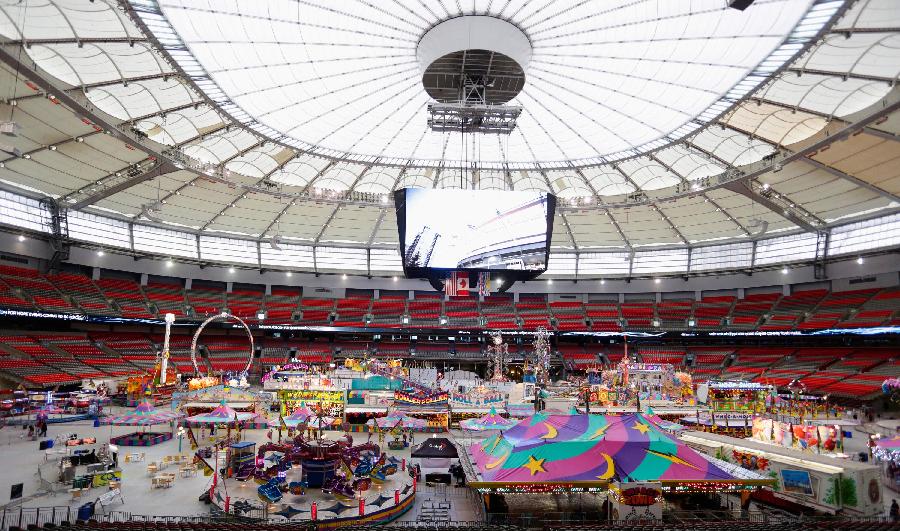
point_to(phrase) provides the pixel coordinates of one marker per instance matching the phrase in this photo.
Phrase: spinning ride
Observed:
(163, 381)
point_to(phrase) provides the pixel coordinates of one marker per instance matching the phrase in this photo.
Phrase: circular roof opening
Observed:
(452, 78)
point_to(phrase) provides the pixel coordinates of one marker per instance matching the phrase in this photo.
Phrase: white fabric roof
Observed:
(605, 103)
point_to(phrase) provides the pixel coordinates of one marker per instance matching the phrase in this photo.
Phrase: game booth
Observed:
(731, 406)
(330, 401)
(475, 402)
(631, 384)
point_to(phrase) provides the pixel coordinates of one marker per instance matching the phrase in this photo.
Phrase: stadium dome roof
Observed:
(182, 128)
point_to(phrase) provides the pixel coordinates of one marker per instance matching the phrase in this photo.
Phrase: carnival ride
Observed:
(337, 467)
(499, 355)
(224, 316)
(161, 382)
(540, 358)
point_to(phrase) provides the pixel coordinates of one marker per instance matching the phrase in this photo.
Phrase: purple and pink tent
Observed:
(590, 450)
(143, 415)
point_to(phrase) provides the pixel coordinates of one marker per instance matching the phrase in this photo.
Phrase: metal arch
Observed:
(147, 169)
(843, 75)
(308, 186)
(866, 129)
(746, 189)
(619, 230)
(588, 184)
(223, 316)
(375, 228)
(855, 180)
(655, 207)
(833, 171)
(251, 189)
(338, 208)
(174, 74)
(81, 40)
(164, 112)
(685, 181)
(27, 154)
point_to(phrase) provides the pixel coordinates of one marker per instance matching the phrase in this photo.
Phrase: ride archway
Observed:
(224, 316)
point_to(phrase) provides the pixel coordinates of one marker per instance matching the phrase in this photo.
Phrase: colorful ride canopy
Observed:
(222, 414)
(491, 421)
(560, 448)
(143, 415)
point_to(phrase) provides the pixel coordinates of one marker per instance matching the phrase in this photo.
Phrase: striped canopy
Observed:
(397, 419)
(143, 415)
(222, 414)
(891, 444)
(593, 448)
(520, 410)
(491, 421)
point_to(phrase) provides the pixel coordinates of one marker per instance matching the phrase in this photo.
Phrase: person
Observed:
(895, 511)
(31, 431)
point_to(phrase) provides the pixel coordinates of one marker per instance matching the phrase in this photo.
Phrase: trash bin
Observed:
(96, 422)
(86, 511)
(864, 457)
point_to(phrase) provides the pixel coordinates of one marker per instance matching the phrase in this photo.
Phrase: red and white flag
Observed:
(457, 285)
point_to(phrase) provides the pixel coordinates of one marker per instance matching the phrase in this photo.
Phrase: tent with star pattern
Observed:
(590, 450)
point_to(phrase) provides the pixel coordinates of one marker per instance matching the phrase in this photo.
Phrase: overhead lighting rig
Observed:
(473, 118)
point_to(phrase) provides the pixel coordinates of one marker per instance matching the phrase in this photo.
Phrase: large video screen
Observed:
(481, 230)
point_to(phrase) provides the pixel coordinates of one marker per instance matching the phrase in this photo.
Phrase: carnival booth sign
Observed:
(639, 500)
(332, 402)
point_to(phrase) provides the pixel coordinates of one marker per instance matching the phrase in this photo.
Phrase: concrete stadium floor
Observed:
(20, 459)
